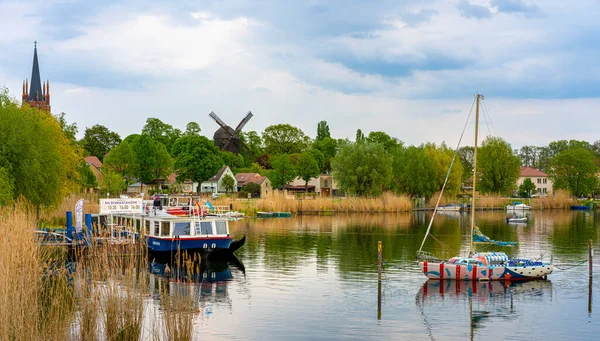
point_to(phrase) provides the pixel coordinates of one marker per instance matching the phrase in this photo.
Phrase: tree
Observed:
(574, 170)
(362, 168)
(164, 162)
(528, 156)
(228, 183)
(196, 158)
(442, 159)
(98, 140)
(113, 183)
(360, 137)
(70, 130)
(252, 188)
(307, 168)
(192, 128)
(39, 161)
(161, 132)
(466, 154)
(284, 139)
(6, 187)
(388, 142)
(319, 157)
(144, 150)
(283, 171)
(526, 188)
(121, 159)
(497, 167)
(322, 131)
(232, 160)
(87, 177)
(414, 173)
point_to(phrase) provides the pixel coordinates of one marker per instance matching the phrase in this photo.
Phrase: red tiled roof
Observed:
(531, 172)
(94, 161)
(244, 178)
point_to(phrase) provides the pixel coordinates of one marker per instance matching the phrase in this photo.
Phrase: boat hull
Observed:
(442, 271)
(193, 244)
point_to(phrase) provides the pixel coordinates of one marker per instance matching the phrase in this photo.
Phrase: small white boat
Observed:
(450, 208)
(516, 220)
(517, 206)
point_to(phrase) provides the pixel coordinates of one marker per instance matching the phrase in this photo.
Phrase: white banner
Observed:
(79, 216)
(109, 206)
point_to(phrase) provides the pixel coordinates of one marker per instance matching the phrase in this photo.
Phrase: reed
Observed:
(557, 200)
(56, 216)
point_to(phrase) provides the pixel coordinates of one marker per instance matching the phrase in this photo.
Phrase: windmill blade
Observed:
(218, 120)
(244, 121)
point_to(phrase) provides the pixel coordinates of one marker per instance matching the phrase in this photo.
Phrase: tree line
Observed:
(42, 159)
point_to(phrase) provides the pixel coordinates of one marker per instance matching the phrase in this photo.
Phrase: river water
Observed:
(315, 278)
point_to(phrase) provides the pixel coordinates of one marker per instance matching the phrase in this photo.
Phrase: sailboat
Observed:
(479, 266)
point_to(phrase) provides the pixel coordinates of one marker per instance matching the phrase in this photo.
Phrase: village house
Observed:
(323, 185)
(96, 166)
(245, 178)
(186, 187)
(543, 184)
(215, 184)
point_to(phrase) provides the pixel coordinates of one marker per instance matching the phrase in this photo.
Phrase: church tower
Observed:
(36, 94)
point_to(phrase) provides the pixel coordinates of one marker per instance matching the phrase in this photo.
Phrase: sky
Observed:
(408, 68)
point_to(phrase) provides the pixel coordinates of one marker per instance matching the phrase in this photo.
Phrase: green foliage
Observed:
(307, 168)
(319, 157)
(113, 183)
(362, 168)
(251, 188)
(283, 171)
(574, 170)
(70, 130)
(144, 150)
(257, 168)
(228, 183)
(98, 140)
(466, 154)
(284, 139)
(196, 158)
(41, 162)
(526, 188)
(87, 177)
(389, 143)
(360, 137)
(328, 147)
(232, 160)
(415, 173)
(322, 131)
(161, 132)
(253, 147)
(121, 159)
(164, 162)
(6, 187)
(497, 167)
(442, 158)
(192, 128)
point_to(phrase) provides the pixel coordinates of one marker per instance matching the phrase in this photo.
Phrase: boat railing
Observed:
(427, 257)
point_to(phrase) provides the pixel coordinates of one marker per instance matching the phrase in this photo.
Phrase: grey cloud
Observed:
(517, 6)
(423, 16)
(470, 10)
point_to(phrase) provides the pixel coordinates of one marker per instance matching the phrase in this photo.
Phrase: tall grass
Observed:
(56, 217)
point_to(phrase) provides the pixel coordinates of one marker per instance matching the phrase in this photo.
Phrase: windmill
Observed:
(226, 137)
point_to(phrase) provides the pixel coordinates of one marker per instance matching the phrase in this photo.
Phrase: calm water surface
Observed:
(315, 278)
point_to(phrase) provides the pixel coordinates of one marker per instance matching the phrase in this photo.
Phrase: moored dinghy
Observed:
(481, 266)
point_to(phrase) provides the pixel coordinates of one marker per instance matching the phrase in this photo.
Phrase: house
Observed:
(96, 166)
(543, 184)
(188, 186)
(215, 184)
(322, 185)
(264, 182)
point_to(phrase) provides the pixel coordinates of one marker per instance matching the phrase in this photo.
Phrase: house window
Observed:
(165, 228)
(539, 180)
(545, 180)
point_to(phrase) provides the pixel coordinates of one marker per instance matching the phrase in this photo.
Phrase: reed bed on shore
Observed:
(56, 217)
(559, 199)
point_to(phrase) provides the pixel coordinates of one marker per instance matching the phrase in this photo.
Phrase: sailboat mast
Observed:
(474, 173)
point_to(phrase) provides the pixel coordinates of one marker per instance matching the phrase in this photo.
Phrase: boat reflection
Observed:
(206, 281)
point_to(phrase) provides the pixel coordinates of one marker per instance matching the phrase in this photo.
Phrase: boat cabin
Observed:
(160, 227)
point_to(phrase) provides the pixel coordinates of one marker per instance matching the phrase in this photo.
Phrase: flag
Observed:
(209, 205)
(79, 216)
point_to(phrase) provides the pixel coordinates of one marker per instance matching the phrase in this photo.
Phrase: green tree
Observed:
(121, 159)
(442, 158)
(360, 137)
(322, 131)
(466, 154)
(283, 171)
(328, 147)
(70, 130)
(307, 168)
(40, 160)
(113, 183)
(497, 167)
(232, 160)
(526, 188)
(164, 162)
(389, 143)
(318, 156)
(6, 188)
(414, 173)
(144, 149)
(98, 140)
(196, 158)
(284, 139)
(161, 132)
(252, 188)
(574, 170)
(362, 168)
(88, 179)
(192, 128)
(528, 156)
(228, 183)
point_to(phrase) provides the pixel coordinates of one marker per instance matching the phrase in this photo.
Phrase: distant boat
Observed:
(580, 207)
(273, 214)
(516, 220)
(517, 205)
(450, 207)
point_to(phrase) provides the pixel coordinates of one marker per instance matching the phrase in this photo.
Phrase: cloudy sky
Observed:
(409, 68)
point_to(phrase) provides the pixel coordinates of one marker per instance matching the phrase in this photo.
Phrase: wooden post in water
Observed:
(379, 265)
(591, 254)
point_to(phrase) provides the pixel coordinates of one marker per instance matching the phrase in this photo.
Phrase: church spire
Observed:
(36, 83)
(36, 93)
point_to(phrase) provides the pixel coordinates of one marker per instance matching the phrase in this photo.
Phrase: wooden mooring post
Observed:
(591, 275)
(379, 268)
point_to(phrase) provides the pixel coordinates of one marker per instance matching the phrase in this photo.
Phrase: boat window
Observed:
(147, 227)
(165, 228)
(221, 226)
(206, 227)
(184, 201)
(156, 228)
(173, 202)
(181, 229)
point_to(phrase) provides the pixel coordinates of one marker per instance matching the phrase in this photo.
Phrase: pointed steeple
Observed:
(36, 83)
